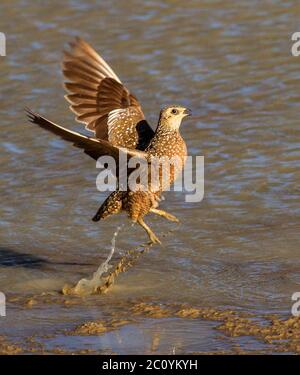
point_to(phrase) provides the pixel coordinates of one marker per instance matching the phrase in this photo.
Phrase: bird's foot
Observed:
(164, 214)
(154, 238)
(171, 217)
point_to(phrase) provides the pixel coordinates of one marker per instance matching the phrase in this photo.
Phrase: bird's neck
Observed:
(165, 127)
(167, 142)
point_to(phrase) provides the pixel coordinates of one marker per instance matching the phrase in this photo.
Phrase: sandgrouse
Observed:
(107, 108)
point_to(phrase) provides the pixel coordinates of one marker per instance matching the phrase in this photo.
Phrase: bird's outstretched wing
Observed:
(101, 101)
(91, 146)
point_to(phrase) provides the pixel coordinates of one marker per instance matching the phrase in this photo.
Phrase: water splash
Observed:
(90, 286)
(101, 281)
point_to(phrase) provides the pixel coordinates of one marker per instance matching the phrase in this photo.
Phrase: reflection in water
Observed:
(231, 63)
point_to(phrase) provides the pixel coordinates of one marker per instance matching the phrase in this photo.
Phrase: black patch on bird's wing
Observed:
(145, 134)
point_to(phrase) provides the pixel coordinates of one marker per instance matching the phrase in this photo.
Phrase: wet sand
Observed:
(257, 335)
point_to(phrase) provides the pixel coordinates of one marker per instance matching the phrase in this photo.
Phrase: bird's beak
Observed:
(187, 112)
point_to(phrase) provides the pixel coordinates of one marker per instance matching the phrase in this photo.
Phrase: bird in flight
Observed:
(108, 109)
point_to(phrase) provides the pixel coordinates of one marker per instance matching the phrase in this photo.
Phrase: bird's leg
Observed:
(151, 235)
(164, 214)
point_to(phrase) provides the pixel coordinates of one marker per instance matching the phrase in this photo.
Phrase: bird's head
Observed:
(172, 116)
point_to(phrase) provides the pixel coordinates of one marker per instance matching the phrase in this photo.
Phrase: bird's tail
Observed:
(112, 205)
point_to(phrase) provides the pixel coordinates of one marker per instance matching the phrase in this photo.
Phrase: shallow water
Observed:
(239, 248)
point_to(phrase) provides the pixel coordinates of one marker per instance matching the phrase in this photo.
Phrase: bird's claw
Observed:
(155, 239)
(172, 218)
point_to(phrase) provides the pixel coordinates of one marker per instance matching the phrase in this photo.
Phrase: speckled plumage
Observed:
(136, 204)
(114, 115)
(166, 142)
(100, 100)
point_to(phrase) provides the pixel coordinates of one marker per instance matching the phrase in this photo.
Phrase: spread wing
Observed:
(101, 101)
(91, 146)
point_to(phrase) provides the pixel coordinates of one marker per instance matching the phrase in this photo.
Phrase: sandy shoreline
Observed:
(268, 333)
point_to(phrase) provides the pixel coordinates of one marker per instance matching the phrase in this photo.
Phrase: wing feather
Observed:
(95, 91)
(91, 146)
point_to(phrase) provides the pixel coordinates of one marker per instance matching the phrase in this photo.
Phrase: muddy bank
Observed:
(272, 332)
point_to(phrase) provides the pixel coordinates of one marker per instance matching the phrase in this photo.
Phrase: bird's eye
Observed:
(174, 111)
